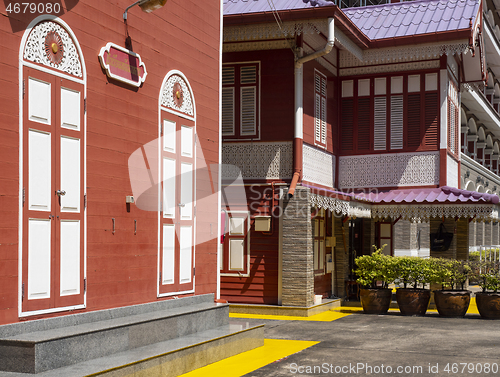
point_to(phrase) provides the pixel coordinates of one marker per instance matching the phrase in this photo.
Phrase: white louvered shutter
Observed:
(320, 108)
(380, 123)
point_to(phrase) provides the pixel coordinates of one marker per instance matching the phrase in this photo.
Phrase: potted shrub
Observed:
(375, 272)
(414, 273)
(488, 301)
(453, 300)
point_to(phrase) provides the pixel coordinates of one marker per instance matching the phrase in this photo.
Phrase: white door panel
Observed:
(186, 191)
(169, 179)
(168, 268)
(39, 168)
(39, 102)
(187, 141)
(70, 258)
(169, 136)
(70, 174)
(186, 246)
(39, 258)
(70, 109)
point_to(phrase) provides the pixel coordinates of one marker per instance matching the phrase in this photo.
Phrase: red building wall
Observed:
(121, 267)
(276, 91)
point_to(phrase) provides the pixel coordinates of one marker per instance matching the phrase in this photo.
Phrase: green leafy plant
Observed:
(487, 275)
(452, 274)
(415, 271)
(376, 270)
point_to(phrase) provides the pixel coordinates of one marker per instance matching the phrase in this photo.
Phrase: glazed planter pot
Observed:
(452, 303)
(412, 301)
(488, 304)
(375, 300)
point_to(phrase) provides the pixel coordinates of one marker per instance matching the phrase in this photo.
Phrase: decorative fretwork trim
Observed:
(256, 46)
(389, 170)
(340, 207)
(349, 45)
(419, 213)
(257, 160)
(34, 50)
(384, 68)
(318, 166)
(272, 30)
(167, 95)
(403, 54)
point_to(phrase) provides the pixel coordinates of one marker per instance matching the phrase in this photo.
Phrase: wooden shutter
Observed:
(396, 122)
(320, 108)
(431, 120)
(248, 96)
(380, 123)
(347, 124)
(363, 131)
(228, 101)
(413, 120)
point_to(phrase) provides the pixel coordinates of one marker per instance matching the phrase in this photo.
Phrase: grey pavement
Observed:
(389, 345)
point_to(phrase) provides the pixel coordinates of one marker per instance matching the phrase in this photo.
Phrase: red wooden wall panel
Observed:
(276, 91)
(261, 286)
(121, 267)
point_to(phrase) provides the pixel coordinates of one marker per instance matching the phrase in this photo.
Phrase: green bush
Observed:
(415, 271)
(487, 275)
(375, 268)
(451, 273)
(494, 254)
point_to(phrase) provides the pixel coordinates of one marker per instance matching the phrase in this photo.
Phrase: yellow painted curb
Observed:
(328, 316)
(246, 362)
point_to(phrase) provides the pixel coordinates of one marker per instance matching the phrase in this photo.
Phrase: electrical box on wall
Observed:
(331, 242)
(262, 223)
(129, 199)
(329, 263)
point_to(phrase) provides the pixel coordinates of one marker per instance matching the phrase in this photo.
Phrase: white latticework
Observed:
(333, 204)
(34, 50)
(389, 170)
(258, 160)
(318, 166)
(273, 30)
(404, 54)
(384, 68)
(167, 95)
(419, 213)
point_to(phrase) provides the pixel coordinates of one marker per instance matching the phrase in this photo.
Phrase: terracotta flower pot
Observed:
(488, 304)
(375, 300)
(413, 301)
(452, 303)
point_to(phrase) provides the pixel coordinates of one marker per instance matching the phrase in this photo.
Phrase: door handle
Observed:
(181, 205)
(61, 192)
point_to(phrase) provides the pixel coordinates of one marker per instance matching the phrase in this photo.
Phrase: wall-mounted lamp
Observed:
(147, 6)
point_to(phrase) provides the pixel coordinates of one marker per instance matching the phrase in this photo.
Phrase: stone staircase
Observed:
(165, 338)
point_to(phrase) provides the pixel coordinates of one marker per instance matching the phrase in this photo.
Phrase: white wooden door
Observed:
(178, 208)
(53, 192)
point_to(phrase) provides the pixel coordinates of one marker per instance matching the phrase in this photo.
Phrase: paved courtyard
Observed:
(379, 345)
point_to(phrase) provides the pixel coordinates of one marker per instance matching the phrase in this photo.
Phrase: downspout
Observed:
(299, 111)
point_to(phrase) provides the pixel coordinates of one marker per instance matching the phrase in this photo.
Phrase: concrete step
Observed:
(43, 345)
(168, 358)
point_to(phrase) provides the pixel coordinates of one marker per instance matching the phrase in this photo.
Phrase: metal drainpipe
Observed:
(299, 111)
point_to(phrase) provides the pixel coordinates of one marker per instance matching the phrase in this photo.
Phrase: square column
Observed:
(297, 257)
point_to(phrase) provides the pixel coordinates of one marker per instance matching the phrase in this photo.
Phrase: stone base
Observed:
(326, 305)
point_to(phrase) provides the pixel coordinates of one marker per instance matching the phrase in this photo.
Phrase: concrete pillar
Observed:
(450, 226)
(494, 233)
(341, 256)
(472, 234)
(401, 237)
(297, 271)
(487, 232)
(462, 239)
(479, 233)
